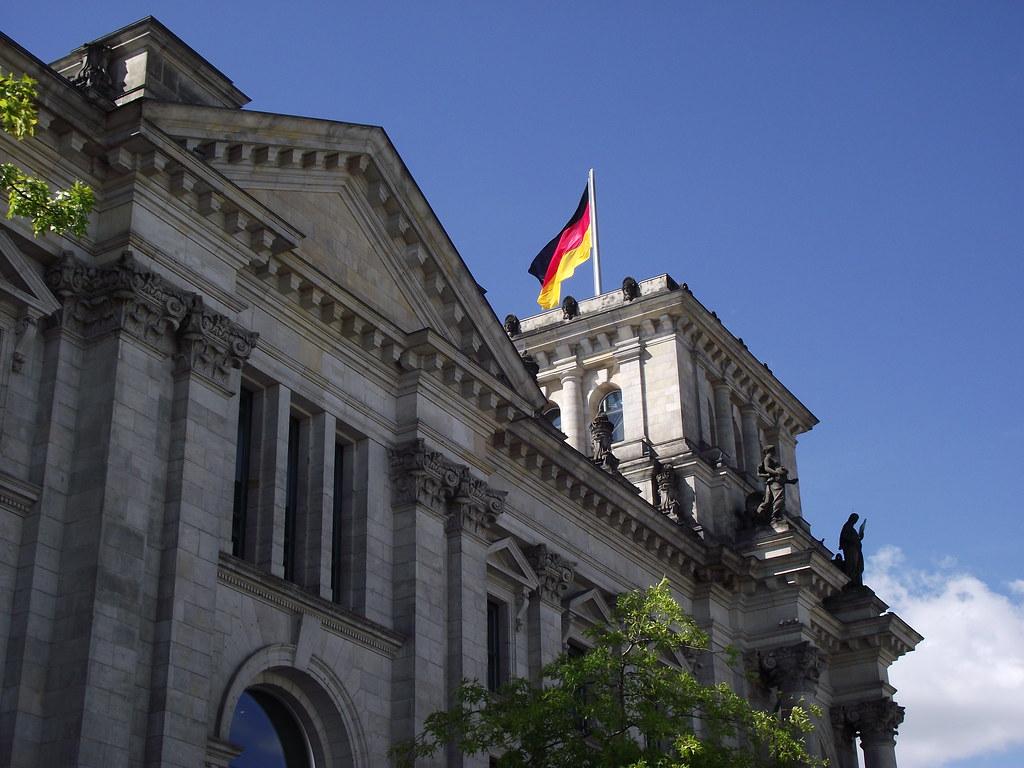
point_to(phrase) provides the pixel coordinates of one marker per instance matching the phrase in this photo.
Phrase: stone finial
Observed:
(555, 574)
(630, 289)
(601, 442)
(512, 326)
(94, 76)
(531, 365)
(668, 493)
(570, 308)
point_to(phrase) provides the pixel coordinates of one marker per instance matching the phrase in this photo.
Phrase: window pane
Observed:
(267, 733)
(611, 407)
(291, 499)
(240, 512)
(336, 526)
(495, 662)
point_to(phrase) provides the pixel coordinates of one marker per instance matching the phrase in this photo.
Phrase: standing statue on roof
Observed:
(851, 541)
(776, 478)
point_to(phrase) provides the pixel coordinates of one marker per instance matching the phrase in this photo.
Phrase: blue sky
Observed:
(842, 183)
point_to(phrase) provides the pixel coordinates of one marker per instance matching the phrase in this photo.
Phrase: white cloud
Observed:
(964, 685)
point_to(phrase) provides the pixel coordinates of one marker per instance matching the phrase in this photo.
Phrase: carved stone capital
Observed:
(555, 574)
(211, 345)
(119, 297)
(791, 669)
(422, 476)
(876, 722)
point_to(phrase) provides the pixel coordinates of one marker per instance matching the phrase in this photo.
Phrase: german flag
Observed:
(566, 251)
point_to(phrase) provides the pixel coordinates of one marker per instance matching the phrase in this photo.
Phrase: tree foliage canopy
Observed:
(66, 210)
(619, 704)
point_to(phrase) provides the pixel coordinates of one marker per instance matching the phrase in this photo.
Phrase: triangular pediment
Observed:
(590, 607)
(367, 227)
(20, 283)
(506, 558)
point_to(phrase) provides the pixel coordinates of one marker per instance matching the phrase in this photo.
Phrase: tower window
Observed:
(611, 407)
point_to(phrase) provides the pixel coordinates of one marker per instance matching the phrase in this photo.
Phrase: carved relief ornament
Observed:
(873, 721)
(554, 573)
(423, 476)
(125, 297)
(791, 669)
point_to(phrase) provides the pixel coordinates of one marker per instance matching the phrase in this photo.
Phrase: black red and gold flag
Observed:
(566, 251)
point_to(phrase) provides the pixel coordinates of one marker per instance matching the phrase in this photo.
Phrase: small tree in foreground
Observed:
(619, 705)
(65, 210)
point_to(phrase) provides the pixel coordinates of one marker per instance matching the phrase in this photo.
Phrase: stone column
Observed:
(723, 420)
(751, 438)
(265, 527)
(793, 671)
(876, 722)
(314, 548)
(555, 575)
(878, 728)
(202, 432)
(472, 509)
(573, 421)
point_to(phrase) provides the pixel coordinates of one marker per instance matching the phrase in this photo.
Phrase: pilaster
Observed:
(316, 538)
(751, 437)
(266, 525)
(629, 356)
(202, 432)
(544, 616)
(723, 420)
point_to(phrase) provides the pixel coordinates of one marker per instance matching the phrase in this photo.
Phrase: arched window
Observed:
(611, 407)
(554, 415)
(268, 733)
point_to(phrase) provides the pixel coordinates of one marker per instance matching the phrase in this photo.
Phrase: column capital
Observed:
(876, 722)
(211, 345)
(118, 297)
(554, 573)
(474, 506)
(792, 669)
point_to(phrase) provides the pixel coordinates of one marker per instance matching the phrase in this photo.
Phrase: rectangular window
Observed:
(497, 658)
(291, 498)
(337, 527)
(240, 509)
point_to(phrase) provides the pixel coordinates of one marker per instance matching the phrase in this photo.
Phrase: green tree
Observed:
(619, 705)
(63, 211)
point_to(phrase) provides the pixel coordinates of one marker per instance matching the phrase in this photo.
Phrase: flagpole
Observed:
(593, 232)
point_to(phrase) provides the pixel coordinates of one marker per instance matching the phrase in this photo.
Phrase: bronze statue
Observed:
(776, 478)
(630, 289)
(512, 327)
(851, 542)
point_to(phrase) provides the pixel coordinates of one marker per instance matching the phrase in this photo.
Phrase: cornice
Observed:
(239, 575)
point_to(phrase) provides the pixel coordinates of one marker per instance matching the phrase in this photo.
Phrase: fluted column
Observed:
(751, 438)
(723, 420)
(572, 410)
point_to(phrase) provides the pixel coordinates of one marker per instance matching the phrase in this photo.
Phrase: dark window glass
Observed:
(268, 733)
(240, 510)
(495, 652)
(338, 533)
(611, 407)
(291, 498)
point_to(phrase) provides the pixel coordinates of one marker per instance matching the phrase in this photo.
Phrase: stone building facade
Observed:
(262, 435)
